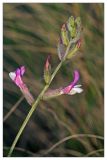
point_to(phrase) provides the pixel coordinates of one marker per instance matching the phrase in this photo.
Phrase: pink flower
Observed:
(72, 88)
(16, 77)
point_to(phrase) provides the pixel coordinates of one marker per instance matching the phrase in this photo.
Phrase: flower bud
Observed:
(64, 35)
(70, 37)
(47, 70)
(78, 44)
(61, 49)
(74, 49)
(71, 26)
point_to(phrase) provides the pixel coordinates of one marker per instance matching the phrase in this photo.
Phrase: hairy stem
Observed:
(34, 106)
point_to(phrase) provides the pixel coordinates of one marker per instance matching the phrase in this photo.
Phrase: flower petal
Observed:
(18, 81)
(75, 90)
(22, 70)
(18, 72)
(67, 89)
(76, 86)
(12, 75)
(47, 62)
(76, 77)
(16, 76)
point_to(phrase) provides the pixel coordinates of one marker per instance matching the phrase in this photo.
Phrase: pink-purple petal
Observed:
(67, 89)
(18, 81)
(22, 70)
(17, 72)
(17, 78)
(76, 77)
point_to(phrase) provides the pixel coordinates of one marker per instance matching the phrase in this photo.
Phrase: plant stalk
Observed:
(34, 106)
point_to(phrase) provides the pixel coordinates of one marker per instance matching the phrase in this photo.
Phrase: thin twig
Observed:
(86, 145)
(57, 119)
(93, 152)
(12, 109)
(22, 150)
(70, 137)
(34, 106)
(70, 152)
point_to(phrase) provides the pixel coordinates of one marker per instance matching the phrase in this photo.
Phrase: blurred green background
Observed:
(30, 33)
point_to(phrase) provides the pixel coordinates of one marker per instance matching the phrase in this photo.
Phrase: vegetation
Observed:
(31, 32)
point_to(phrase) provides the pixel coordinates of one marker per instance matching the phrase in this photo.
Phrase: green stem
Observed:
(34, 106)
(26, 120)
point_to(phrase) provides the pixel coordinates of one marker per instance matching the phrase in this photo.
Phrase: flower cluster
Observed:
(70, 40)
(69, 43)
(70, 31)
